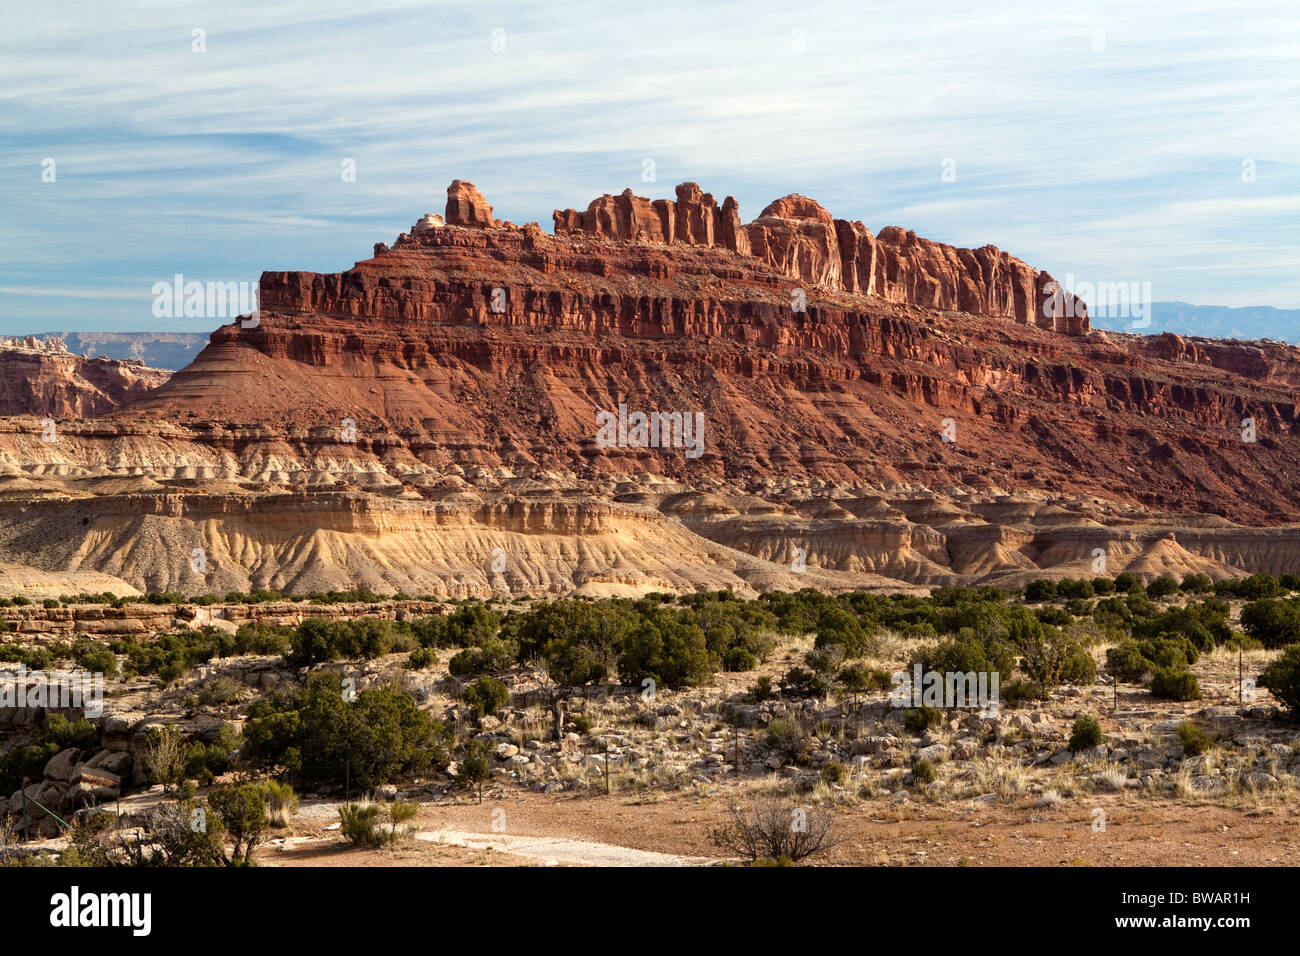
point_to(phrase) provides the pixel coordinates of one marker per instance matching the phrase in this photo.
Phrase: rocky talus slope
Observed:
(430, 420)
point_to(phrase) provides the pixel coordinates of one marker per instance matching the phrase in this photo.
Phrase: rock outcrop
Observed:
(883, 408)
(39, 376)
(467, 207)
(800, 239)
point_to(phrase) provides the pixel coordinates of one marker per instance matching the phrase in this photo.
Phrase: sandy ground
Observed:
(621, 830)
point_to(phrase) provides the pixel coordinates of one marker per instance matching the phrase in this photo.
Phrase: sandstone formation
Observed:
(163, 350)
(39, 376)
(426, 421)
(798, 238)
(467, 207)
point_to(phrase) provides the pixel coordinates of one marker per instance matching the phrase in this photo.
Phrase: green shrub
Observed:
(494, 657)
(1016, 692)
(1055, 659)
(485, 697)
(1195, 740)
(797, 613)
(65, 733)
(824, 662)
(1282, 678)
(167, 656)
(1203, 623)
(1126, 663)
(374, 739)
(1240, 642)
(837, 627)
(666, 649)
(801, 682)
(923, 773)
(762, 690)
(253, 637)
(1085, 735)
(1139, 605)
(360, 824)
(575, 663)
(834, 773)
(738, 659)
(471, 625)
(403, 811)
(205, 761)
(243, 814)
(1126, 582)
(1256, 587)
(281, 802)
(1111, 612)
(917, 720)
(1040, 590)
(421, 658)
(1274, 623)
(858, 678)
(96, 658)
(56, 733)
(1170, 651)
(1057, 616)
(1070, 588)
(1130, 660)
(474, 767)
(318, 640)
(1162, 587)
(578, 641)
(1172, 684)
(786, 737)
(967, 653)
(219, 691)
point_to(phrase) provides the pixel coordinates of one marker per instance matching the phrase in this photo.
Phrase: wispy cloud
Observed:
(1101, 138)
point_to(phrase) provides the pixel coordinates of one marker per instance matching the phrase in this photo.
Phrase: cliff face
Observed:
(877, 408)
(798, 238)
(823, 352)
(41, 377)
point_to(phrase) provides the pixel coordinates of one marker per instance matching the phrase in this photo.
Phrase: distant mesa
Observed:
(40, 376)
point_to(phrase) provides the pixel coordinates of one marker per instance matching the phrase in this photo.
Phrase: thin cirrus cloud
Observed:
(1110, 141)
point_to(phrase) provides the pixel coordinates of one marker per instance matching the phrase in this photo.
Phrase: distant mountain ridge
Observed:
(1214, 321)
(169, 350)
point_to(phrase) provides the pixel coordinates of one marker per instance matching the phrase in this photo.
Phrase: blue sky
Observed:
(1100, 140)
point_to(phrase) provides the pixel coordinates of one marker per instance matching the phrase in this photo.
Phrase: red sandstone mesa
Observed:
(471, 358)
(473, 341)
